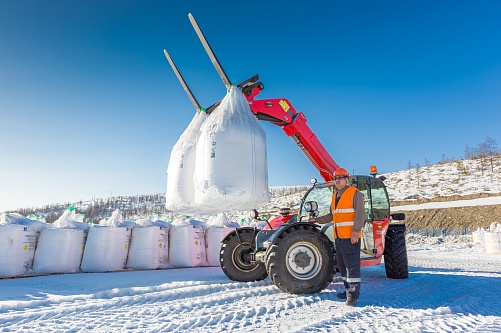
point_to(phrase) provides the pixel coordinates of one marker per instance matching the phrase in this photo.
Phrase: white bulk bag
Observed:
(231, 171)
(15, 218)
(214, 237)
(187, 245)
(218, 227)
(492, 242)
(106, 249)
(180, 194)
(149, 247)
(479, 236)
(59, 250)
(17, 249)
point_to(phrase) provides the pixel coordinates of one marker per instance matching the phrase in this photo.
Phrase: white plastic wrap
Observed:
(231, 170)
(180, 193)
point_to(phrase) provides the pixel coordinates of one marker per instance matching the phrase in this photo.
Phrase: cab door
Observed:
(377, 208)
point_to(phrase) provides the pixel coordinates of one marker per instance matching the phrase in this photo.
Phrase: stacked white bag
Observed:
(493, 239)
(479, 236)
(60, 248)
(231, 170)
(180, 194)
(107, 245)
(218, 227)
(18, 241)
(149, 245)
(187, 243)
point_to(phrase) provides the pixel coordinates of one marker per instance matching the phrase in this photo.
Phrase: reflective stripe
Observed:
(344, 224)
(346, 210)
(344, 279)
(353, 280)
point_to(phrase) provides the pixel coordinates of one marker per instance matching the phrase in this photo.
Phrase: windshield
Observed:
(372, 188)
(322, 196)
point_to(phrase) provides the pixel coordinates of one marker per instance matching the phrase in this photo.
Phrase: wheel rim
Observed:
(240, 256)
(303, 261)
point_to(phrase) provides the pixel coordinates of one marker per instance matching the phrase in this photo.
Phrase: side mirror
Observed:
(398, 216)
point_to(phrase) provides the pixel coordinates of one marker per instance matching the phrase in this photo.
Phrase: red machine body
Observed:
(280, 112)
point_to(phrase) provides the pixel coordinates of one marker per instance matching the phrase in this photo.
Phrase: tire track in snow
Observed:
(183, 298)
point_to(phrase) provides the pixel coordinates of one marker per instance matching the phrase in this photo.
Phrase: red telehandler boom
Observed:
(298, 256)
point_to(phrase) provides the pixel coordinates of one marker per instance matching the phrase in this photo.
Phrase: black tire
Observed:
(235, 258)
(302, 261)
(395, 254)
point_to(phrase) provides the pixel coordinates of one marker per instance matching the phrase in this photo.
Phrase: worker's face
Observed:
(341, 182)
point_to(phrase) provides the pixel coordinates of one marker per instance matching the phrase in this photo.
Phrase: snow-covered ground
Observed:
(452, 287)
(450, 204)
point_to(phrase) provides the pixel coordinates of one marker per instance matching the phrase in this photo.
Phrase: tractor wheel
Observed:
(302, 261)
(395, 254)
(235, 258)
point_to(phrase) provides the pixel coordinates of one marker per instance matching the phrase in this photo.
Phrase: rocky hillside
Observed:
(449, 181)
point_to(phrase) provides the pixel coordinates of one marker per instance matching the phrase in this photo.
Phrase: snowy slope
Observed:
(452, 287)
(459, 177)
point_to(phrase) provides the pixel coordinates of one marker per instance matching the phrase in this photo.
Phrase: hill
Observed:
(445, 181)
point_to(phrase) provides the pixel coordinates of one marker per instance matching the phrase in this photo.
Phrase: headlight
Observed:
(310, 206)
(253, 214)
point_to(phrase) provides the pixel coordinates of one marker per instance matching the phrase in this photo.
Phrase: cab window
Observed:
(374, 190)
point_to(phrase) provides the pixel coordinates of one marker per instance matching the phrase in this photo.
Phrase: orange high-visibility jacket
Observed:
(343, 215)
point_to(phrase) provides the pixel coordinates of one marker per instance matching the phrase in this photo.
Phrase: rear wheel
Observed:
(395, 253)
(235, 258)
(302, 261)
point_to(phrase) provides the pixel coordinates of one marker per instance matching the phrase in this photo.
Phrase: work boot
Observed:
(342, 295)
(351, 301)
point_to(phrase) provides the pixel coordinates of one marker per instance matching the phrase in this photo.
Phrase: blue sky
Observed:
(89, 106)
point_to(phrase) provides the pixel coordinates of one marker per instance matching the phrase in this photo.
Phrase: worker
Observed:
(348, 217)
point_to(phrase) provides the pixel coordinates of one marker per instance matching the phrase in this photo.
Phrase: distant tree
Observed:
(418, 173)
(481, 153)
(491, 147)
(469, 152)
(427, 164)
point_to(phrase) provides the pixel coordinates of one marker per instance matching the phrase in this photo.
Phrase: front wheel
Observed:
(235, 257)
(301, 262)
(395, 253)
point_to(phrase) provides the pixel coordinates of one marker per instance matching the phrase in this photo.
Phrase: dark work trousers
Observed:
(348, 261)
